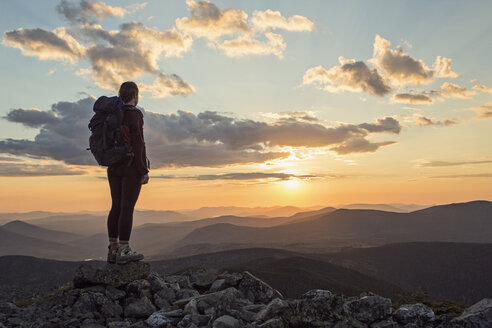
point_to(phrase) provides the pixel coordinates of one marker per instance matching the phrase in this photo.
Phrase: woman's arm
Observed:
(135, 123)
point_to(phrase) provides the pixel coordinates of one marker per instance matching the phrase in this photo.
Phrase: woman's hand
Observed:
(145, 178)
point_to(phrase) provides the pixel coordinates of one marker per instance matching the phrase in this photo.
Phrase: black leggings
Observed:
(125, 184)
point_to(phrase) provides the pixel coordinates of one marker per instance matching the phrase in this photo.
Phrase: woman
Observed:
(126, 179)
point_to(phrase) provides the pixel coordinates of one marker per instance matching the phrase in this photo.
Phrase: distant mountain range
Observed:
(82, 236)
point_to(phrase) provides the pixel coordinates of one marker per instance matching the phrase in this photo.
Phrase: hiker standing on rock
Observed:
(126, 179)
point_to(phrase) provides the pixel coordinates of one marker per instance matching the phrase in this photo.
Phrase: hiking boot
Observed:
(112, 249)
(125, 254)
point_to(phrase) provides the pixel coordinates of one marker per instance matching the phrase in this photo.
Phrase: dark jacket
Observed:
(133, 120)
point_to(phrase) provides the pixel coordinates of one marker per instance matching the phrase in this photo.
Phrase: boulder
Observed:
(142, 307)
(94, 273)
(368, 309)
(273, 308)
(418, 314)
(158, 319)
(226, 321)
(479, 315)
(256, 290)
(315, 308)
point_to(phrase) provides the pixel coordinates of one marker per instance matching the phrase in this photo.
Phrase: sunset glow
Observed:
(315, 103)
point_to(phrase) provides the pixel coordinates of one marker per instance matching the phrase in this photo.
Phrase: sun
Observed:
(292, 183)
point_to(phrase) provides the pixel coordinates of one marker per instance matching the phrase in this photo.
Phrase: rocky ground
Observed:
(110, 295)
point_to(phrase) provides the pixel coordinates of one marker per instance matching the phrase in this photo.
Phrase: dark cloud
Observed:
(359, 145)
(185, 139)
(387, 124)
(352, 75)
(422, 120)
(90, 12)
(31, 117)
(412, 98)
(451, 163)
(26, 170)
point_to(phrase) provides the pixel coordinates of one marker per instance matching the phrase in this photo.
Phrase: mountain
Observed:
(34, 231)
(293, 276)
(465, 222)
(452, 271)
(207, 212)
(404, 208)
(12, 243)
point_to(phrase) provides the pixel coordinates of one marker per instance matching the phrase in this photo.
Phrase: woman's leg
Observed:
(115, 185)
(131, 185)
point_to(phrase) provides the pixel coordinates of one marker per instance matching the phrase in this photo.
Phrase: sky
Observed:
(250, 103)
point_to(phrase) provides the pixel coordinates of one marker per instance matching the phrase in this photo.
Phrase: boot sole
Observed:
(127, 261)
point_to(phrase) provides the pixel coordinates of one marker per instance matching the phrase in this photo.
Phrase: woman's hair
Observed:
(128, 90)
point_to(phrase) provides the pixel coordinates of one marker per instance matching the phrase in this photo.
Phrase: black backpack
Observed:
(107, 141)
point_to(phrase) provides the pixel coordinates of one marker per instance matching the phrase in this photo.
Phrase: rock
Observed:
(167, 293)
(226, 321)
(272, 323)
(418, 314)
(119, 324)
(203, 278)
(114, 293)
(186, 293)
(139, 288)
(181, 281)
(316, 307)
(190, 307)
(217, 285)
(158, 319)
(231, 279)
(111, 309)
(368, 309)
(93, 273)
(256, 290)
(156, 282)
(276, 306)
(385, 324)
(8, 308)
(142, 307)
(479, 315)
(211, 298)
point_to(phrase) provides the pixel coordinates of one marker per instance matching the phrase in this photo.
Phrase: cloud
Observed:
(402, 69)
(249, 37)
(412, 98)
(242, 176)
(422, 120)
(181, 139)
(26, 170)
(453, 163)
(477, 175)
(168, 85)
(442, 68)
(292, 116)
(56, 44)
(31, 117)
(269, 19)
(451, 90)
(350, 75)
(89, 12)
(387, 124)
(482, 88)
(134, 51)
(114, 56)
(208, 21)
(484, 111)
(245, 45)
(359, 145)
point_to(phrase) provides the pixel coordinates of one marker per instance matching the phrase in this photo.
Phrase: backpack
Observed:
(109, 141)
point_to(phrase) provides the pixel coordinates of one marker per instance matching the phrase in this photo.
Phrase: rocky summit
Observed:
(131, 295)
